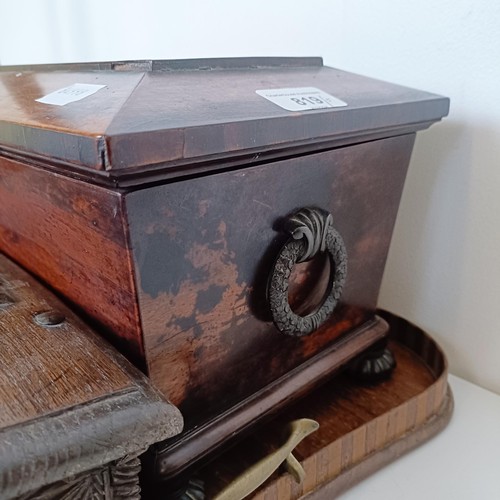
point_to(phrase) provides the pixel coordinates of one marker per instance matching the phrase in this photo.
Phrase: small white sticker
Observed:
(69, 94)
(301, 99)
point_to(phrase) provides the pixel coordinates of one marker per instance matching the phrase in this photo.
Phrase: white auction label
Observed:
(73, 93)
(301, 98)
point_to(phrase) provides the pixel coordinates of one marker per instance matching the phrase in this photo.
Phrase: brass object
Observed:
(253, 477)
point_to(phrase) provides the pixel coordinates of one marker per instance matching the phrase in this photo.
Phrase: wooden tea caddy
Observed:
(173, 208)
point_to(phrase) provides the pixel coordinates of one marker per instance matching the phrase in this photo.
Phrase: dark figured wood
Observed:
(199, 444)
(72, 235)
(192, 113)
(154, 205)
(69, 403)
(207, 327)
(72, 134)
(204, 249)
(361, 428)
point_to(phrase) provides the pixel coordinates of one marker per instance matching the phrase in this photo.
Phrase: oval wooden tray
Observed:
(361, 428)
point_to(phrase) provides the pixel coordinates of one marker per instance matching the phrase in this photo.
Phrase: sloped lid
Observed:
(169, 116)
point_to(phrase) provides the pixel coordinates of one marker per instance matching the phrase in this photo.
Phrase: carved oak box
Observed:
(226, 222)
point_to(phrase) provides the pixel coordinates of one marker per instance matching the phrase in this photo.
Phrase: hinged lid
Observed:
(167, 118)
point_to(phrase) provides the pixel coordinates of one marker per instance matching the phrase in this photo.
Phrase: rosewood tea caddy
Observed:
(230, 243)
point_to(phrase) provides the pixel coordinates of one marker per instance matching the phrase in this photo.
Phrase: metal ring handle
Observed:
(311, 232)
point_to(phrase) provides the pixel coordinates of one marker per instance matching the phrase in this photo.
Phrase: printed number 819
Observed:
(304, 101)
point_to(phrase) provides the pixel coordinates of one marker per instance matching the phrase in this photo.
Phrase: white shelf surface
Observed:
(460, 463)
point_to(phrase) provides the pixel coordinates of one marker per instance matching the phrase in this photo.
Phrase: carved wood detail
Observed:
(118, 480)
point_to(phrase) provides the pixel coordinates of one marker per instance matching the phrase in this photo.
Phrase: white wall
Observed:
(443, 271)
(444, 267)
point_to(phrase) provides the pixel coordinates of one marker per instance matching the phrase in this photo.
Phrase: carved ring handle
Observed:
(311, 231)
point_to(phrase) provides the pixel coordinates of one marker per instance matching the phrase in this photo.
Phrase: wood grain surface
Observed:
(361, 428)
(72, 133)
(72, 235)
(165, 115)
(203, 251)
(100, 200)
(39, 371)
(69, 403)
(186, 453)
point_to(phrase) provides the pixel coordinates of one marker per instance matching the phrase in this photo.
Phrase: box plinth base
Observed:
(361, 428)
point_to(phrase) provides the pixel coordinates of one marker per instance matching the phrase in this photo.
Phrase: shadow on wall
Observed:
(424, 272)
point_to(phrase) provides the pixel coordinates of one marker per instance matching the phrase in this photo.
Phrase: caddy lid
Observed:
(170, 118)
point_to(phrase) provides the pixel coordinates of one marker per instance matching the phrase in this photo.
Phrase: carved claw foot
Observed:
(374, 365)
